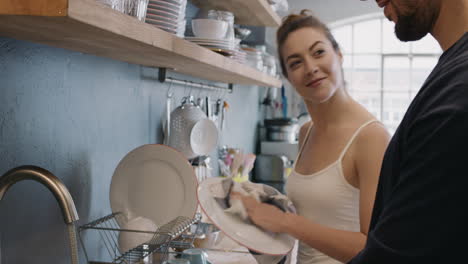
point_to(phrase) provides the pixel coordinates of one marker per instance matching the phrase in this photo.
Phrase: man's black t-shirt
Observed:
(420, 211)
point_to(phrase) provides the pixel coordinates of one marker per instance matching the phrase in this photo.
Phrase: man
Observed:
(419, 214)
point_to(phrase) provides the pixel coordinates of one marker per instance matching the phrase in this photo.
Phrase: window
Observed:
(381, 72)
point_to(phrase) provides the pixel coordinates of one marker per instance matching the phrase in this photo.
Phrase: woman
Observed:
(335, 175)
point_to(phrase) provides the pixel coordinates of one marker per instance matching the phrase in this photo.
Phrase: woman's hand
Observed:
(264, 215)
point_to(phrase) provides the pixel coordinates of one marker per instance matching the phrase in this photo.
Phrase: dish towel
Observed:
(262, 193)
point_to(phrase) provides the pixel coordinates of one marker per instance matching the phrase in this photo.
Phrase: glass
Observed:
(269, 62)
(367, 36)
(224, 16)
(135, 8)
(114, 4)
(254, 58)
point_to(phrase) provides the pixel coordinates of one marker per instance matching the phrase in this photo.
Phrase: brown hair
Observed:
(294, 22)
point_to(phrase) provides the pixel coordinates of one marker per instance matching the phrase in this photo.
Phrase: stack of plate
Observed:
(168, 15)
(221, 46)
(239, 56)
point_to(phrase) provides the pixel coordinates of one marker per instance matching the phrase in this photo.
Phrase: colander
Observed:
(183, 119)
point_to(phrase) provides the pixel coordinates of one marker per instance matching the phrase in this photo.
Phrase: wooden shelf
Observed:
(90, 27)
(246, 12)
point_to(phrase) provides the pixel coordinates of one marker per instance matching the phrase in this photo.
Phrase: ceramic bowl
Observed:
(209, 28)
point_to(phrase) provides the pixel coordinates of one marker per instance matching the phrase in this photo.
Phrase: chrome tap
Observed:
(57, 188)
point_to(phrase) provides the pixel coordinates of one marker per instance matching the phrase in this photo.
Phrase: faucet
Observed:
(57, 188)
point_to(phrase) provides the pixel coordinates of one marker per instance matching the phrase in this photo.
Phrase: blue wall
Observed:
(77, 115)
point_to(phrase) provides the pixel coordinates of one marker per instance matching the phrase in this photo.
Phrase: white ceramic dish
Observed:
(224, 52)
(166, 4)
(209, 28)
(173, 25)
(175, 11)
(178, 2)
(156, 182)
(167, 29)
(195, 39)
(247, 235)
(216, 46)
(155, 11)
(161, 18)
(204, 137)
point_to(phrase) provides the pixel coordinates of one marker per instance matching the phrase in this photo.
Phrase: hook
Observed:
(168, 92)
(191, 88)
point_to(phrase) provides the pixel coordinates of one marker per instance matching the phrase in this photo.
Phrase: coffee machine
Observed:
(277, 152)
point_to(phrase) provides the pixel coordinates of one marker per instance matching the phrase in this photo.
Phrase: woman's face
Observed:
(312, 65)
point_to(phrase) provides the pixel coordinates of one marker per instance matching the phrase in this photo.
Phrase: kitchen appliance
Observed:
(290, 150)
(282, 129)
(272, 170)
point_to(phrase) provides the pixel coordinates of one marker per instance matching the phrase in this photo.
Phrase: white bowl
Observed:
(209, 28)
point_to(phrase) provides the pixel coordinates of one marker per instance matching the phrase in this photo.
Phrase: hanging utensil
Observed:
(183, 119)
(167, 127)
(209, 110)
(223, 115)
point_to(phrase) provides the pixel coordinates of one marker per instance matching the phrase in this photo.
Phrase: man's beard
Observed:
(413, 26)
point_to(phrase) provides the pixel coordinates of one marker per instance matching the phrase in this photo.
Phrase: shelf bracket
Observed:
(162, 77)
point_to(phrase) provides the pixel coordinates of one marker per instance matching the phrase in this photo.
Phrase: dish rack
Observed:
(168, 237)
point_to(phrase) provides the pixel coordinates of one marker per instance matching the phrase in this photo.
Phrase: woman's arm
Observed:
(341, 245)
(371, 144)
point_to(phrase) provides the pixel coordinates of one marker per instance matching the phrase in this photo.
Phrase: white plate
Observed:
(175, 11)
(170, 30)
(161, 18)
(216, 46)
(178, 2)
(219, 41)
(155, 11)
(166, 4)
(156, 182)
(163, 23)
(247, 235)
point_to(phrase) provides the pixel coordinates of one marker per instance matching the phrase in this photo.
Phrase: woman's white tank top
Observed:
(326, 198)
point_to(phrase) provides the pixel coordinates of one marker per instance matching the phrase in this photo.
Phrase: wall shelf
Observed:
(246, 12)
(90, 27)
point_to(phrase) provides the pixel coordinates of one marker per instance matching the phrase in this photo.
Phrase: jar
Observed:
(254, 59)
(269, 62)
(224, 16)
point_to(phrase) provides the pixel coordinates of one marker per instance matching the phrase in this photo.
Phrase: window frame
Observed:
(381, 90)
